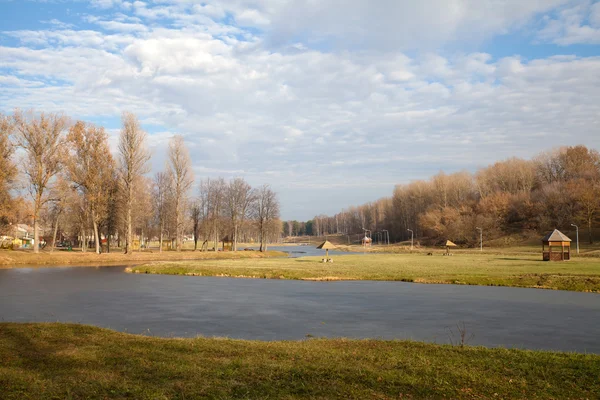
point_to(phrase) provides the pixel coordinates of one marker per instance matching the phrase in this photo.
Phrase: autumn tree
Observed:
(91, 170)
(42, 139)
(239, 198)
(266, 211)
(181, 171)
(133, 159)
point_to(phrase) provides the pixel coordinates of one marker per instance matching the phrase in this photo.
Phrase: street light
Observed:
(412, 238)
(387, 234)
(577, 233)
(480, 238)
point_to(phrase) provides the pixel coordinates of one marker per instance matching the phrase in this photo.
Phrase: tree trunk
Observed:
(590, 229)
(216, 237)
(83, 240)
(129, 236)
(36, 234)
(96, 233)
(235, 236)
(160, 240)
(177, 218)
(54, 233)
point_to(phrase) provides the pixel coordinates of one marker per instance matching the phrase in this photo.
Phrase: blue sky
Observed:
(367, 94)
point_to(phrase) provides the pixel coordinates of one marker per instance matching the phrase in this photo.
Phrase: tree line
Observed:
(63, 175)
(514, 197)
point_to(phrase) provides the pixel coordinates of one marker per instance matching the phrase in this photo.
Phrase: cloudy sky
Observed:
(332, 102)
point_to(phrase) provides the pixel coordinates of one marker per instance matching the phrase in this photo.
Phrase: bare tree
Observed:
(42, 139)
(216, 195)
(240, 197)
(133, 157)
(90, 169)
(181, 171)
(162, 190)
(7, 167)
(266, 211)
(196, 216)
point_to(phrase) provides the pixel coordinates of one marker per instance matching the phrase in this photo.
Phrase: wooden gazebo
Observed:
(559, 246)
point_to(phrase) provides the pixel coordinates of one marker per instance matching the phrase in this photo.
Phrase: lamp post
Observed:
(577, 238)
(480, 238)
(387, 234)
(412, 238)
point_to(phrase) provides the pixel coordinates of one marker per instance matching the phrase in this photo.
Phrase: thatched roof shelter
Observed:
(326, 245)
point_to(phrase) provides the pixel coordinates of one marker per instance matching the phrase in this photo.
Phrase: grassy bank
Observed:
(56, 361)
(524, 270)
(9, 258)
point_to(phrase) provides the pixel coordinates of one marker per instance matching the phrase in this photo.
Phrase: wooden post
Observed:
(562, 253)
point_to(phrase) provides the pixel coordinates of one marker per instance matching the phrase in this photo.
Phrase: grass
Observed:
(17, 258)
(522, 270)
(61, 361)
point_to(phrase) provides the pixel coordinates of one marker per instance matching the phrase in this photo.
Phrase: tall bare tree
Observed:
(266, 211)
(162, 190)
(91, 170)
(133, 158)
(181, 171)
(196, 217)
(7, 167)
(240, 197)
(42, 139)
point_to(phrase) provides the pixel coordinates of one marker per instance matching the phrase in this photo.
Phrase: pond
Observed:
(304, 251)
(278, 309)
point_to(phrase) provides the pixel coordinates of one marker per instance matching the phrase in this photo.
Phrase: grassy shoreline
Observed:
(582, 274)
(18, 259)
(78, 361)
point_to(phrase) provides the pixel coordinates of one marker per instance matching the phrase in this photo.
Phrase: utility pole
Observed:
(480, 238)
(412, 238)
(577, 233)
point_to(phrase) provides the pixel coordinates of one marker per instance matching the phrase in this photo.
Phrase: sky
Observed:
(331, 102)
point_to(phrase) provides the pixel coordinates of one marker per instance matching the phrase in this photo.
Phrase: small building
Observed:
(559, 246)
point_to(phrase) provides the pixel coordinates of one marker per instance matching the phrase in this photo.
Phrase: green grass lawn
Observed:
(60, 361)
(520, 270)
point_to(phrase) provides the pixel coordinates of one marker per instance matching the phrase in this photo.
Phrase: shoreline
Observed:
(10, 259)
(473, 270)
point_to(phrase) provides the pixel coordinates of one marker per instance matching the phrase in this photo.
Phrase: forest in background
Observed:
(61, 177)
(511, 198)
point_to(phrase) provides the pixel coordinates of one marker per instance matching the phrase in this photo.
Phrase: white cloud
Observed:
(366, 115)
(577, 23)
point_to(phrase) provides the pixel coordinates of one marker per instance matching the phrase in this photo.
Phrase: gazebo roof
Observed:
(450, 244)
(556, 236)
(326, 245)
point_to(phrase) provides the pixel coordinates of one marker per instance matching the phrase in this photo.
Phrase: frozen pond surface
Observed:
(276, 309)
